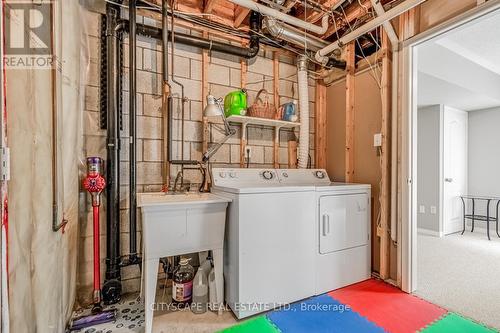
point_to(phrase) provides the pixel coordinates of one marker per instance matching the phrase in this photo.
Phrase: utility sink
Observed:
(177, 224)
(178, 199)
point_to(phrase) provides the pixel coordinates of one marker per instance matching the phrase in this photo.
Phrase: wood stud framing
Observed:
(209, 6)
(240, 13)
(276, 94)
(349, 109)
(204, 92)
(243, 140)
(386, 158)
(320, 124)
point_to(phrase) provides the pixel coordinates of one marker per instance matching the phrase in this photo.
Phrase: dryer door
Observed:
(343, 222)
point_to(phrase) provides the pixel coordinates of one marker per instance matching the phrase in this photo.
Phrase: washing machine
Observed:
(269, 253)
(342, 228)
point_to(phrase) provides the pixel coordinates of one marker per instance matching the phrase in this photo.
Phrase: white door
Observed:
(343, 222)
(454, 168)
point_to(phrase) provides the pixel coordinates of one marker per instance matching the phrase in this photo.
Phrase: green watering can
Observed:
(235, 103)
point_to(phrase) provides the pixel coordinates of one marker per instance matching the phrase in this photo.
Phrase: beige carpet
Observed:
(461, 274)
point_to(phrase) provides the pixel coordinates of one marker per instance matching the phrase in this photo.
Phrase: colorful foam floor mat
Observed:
(366, 307)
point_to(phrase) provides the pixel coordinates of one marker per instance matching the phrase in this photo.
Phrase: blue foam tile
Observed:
(321, 314)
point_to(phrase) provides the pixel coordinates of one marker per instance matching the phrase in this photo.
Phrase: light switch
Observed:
(422, 209)
(433, 210)
(377, 140)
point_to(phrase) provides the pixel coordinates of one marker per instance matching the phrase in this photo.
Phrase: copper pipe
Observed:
(56, 226)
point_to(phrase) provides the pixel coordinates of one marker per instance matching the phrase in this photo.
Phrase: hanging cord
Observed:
(372, 67)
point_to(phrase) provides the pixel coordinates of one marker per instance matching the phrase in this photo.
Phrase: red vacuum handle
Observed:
(97, 246)
(94, 183)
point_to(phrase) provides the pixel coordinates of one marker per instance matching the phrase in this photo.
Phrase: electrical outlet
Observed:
(422, 209)
(248, 153)
(377, 140)
(433, 210)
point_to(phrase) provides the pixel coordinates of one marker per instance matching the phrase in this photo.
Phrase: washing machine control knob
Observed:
(232, 174)
(319, 174)
(222, 174)
(284, 174)
(268, 175)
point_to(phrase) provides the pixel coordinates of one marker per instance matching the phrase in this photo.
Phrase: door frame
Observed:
(408, 260)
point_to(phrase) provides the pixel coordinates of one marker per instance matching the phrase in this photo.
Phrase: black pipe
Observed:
(132, 132)
(111, 290)
(208, 44)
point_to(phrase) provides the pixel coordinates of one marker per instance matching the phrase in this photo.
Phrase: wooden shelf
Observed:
(262, 121)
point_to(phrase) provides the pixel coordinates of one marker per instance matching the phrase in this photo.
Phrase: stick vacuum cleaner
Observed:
(94, 183)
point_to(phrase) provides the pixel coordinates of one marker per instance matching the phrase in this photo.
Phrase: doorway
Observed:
(447, 258)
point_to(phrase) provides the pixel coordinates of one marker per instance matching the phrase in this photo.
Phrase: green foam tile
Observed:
(259, 324)
(455, 323)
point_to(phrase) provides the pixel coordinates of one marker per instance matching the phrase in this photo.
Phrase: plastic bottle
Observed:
(182, 286)
(212, 290)
(200, 292)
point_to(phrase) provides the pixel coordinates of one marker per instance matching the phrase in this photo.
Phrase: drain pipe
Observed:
(132, 133)
(208, 44)
(321, 55)
(267, 11)
(303, 111)
(393, 38)
(111, 290)
(166, 104)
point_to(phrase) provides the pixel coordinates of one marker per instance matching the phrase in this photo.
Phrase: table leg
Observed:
(151, 276)
(488, 219)
(219, 277)
(463, 202)
(473, 214)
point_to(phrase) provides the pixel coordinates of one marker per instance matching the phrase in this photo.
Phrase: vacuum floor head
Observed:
(92, 320)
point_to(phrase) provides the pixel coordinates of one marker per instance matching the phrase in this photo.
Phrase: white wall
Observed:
(428, 167)
(484, 154)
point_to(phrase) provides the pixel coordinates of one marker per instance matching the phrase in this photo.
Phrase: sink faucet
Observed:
(177, 178)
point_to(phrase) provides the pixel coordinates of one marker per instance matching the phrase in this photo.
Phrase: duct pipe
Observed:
(303, 154)
(321, 55)
(264, 10)
(132, 133)
(393, 37)
(292, 35)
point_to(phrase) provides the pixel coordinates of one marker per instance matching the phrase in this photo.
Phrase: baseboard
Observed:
(430, 232)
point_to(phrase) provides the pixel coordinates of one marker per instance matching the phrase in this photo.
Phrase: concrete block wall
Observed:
(224, 76)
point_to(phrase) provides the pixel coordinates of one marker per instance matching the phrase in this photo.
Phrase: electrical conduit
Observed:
(303, 153)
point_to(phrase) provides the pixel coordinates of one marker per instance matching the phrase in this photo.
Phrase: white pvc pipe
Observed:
(394, 144)
(389, 29)
(284, 17)
(321, 55)
(303, 153)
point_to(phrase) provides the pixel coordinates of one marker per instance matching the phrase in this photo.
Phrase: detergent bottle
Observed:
(290, 111)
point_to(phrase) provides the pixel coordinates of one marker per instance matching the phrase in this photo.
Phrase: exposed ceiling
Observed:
(462, 68)
(347, 15)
